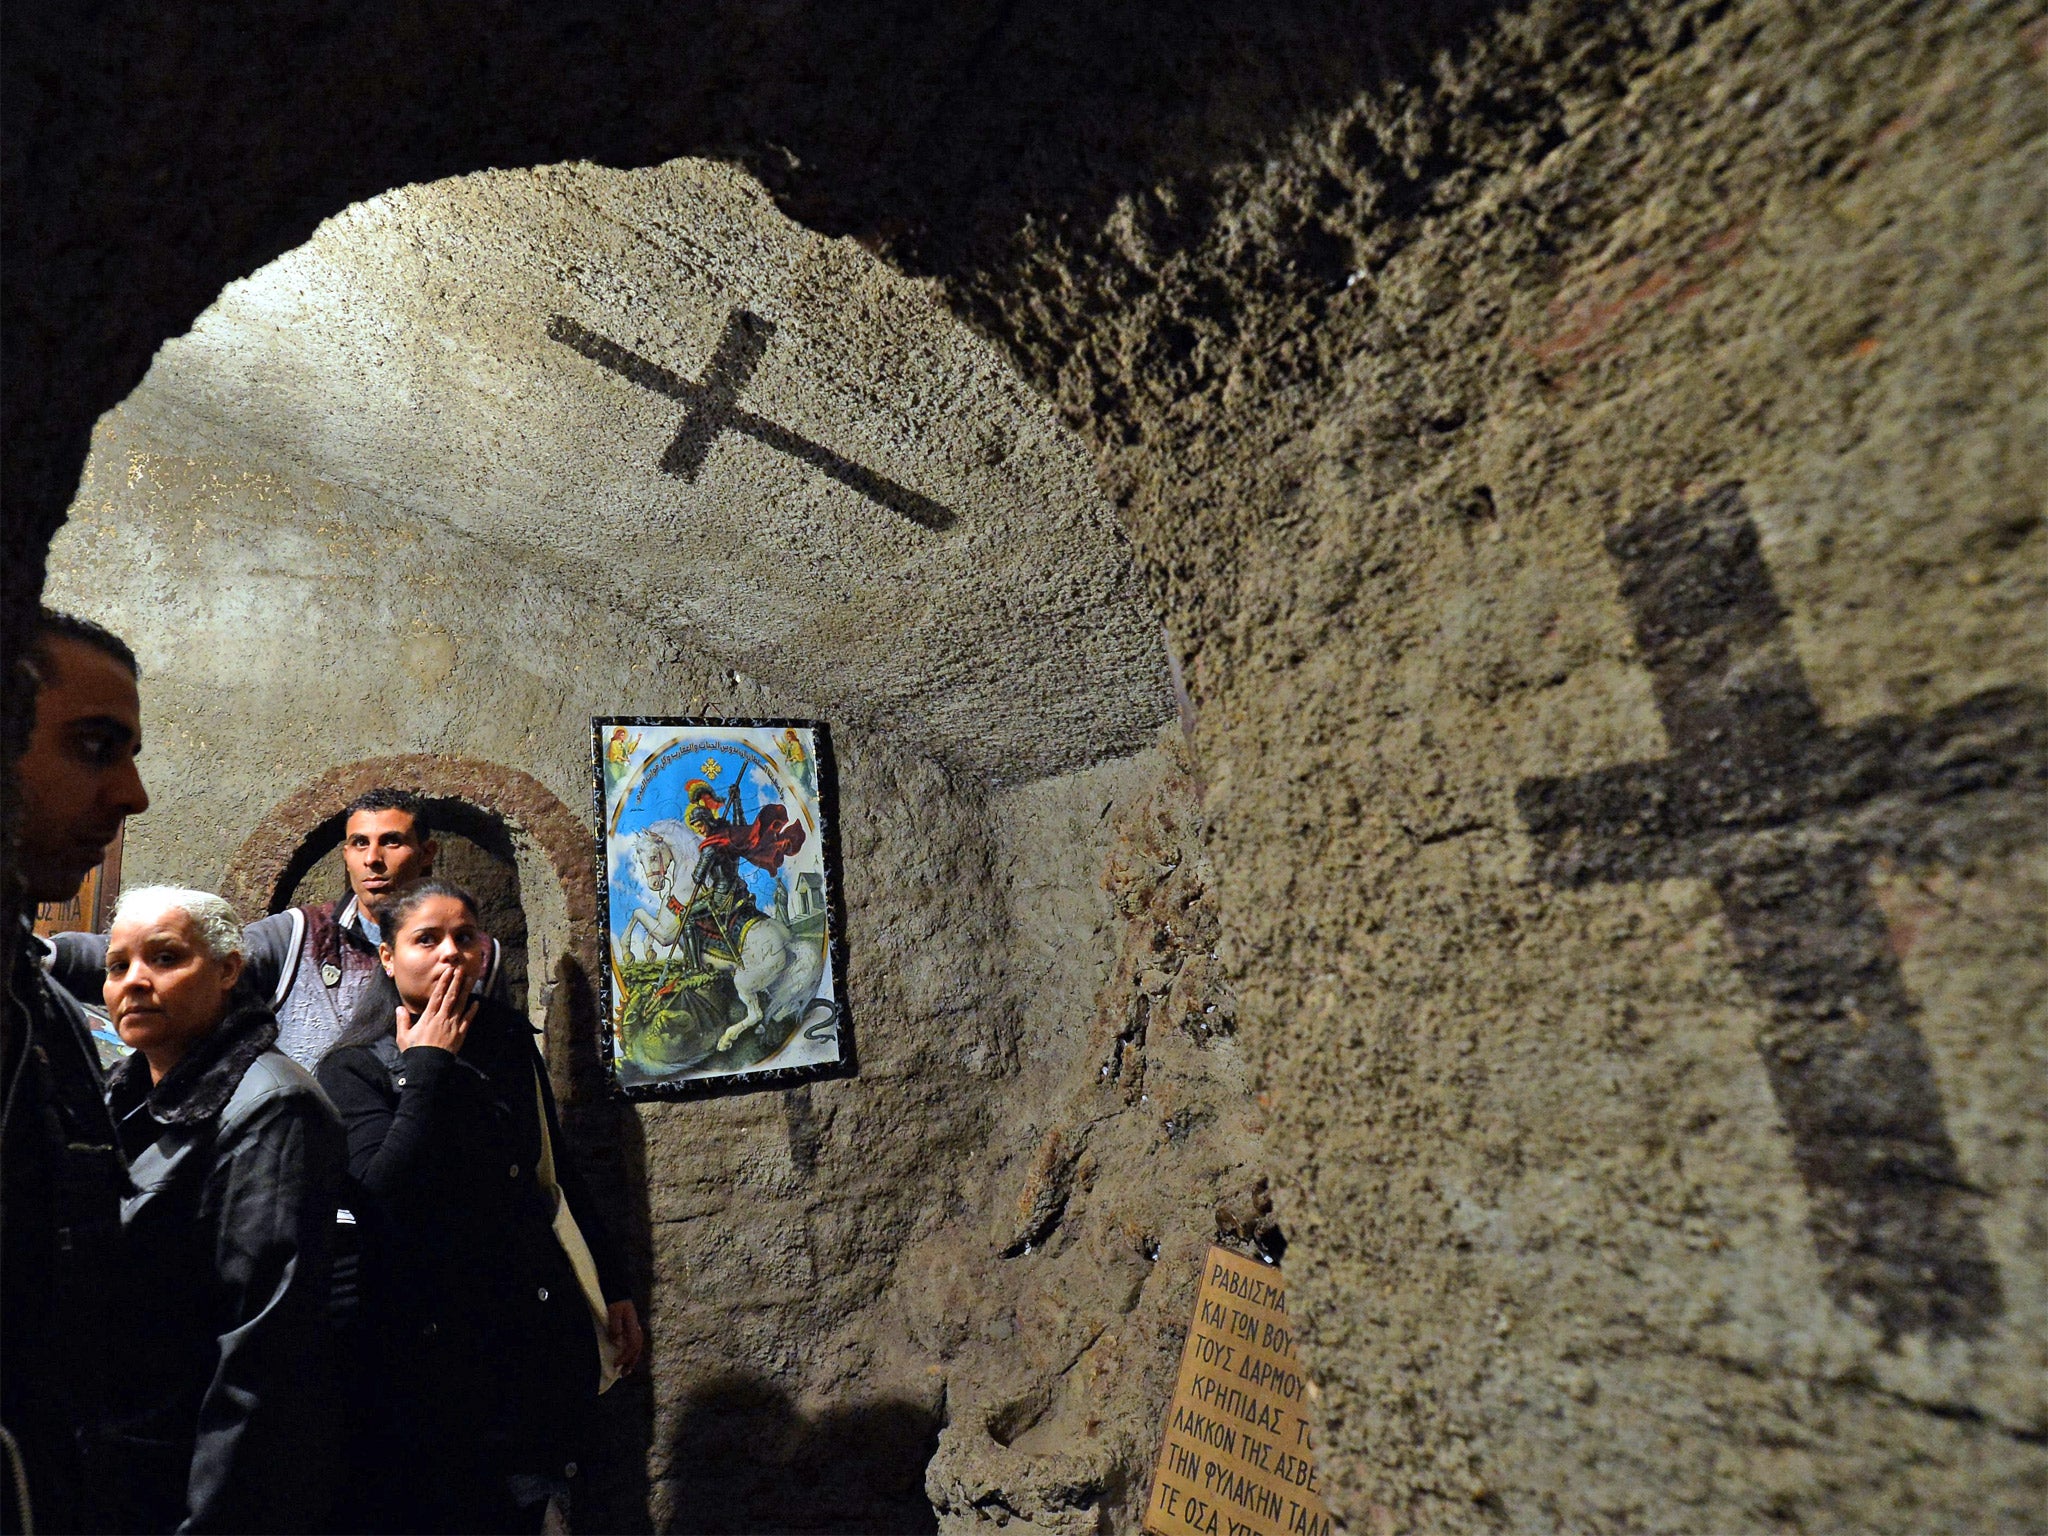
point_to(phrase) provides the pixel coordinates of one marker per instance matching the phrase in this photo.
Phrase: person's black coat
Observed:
(62, 1178)
(225, 1417)
(485, 1341)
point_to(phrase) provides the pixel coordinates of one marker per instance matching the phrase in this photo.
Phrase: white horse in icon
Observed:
(776, 974)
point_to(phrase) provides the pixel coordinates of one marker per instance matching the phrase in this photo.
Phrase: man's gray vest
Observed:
(312, 1008)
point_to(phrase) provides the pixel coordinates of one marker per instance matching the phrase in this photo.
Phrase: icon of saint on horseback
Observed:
(712, 951)
(720, 921)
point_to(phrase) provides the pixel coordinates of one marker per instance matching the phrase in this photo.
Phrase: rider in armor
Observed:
(722, 907)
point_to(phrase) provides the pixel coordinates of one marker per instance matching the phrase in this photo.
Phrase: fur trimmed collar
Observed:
(198, 1088)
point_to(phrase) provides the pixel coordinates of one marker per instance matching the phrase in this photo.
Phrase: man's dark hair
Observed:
(385, 798)
(68, 626)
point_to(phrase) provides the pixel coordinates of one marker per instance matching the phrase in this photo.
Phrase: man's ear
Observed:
(428, 850)
(231, 969)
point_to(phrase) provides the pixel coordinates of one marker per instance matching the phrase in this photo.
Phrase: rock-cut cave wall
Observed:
(1613, 602)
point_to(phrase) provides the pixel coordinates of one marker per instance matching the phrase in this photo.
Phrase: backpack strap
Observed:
(295, 954)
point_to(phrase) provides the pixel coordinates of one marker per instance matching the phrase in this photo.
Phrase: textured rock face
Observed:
(1594, 485)
(1060, 1299)
(1670, 1173)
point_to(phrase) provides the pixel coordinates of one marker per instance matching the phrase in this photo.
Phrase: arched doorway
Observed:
(477, 852)
(503, 826)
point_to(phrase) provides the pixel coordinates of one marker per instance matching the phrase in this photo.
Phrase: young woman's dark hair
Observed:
(376, 1011)
(398, 905)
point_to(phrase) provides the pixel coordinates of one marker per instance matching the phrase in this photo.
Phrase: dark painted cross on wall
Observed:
(1784, 816)
(711, 407)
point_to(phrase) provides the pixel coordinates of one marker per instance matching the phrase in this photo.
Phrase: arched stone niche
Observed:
(475, 848)
(550, 848)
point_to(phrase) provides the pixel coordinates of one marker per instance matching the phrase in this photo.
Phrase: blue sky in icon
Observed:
(661, 810)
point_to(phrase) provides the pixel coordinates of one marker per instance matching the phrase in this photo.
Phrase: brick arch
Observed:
(256, 875)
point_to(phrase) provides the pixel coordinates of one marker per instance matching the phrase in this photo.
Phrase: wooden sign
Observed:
(1237, 1460)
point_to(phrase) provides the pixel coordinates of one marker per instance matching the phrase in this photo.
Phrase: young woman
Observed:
(488, 1347)
(223, 1409)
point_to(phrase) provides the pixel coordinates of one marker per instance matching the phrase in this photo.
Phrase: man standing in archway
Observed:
(317, 960)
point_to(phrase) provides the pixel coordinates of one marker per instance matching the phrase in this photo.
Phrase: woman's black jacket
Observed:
(224, 1415)
(478, 1322)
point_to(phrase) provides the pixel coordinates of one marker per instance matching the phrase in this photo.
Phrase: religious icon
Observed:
(718, 905)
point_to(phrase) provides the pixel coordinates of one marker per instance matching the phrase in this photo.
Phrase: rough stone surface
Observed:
(1060, 1298)
(1548, 1231)
(1382, 350)
(412, 350)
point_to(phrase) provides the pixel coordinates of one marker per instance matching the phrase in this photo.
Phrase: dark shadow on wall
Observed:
(745, 1460)
(611, 1148)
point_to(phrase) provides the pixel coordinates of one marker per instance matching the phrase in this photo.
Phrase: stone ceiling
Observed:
(871, 511)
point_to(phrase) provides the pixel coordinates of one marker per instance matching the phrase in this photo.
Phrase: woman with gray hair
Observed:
(224, 1414)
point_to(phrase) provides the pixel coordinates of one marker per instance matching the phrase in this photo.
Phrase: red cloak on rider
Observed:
(767, 840)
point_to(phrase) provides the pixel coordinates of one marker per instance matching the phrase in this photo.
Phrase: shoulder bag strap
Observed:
(295, 954)
(570, 1236)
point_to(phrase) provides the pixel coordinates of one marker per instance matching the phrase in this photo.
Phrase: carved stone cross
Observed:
(1783, 816)
(712, 406)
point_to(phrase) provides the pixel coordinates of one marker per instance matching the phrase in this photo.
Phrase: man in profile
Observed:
(62, 1177)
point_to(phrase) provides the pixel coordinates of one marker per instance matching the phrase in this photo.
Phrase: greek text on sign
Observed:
(1237, 1459)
